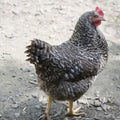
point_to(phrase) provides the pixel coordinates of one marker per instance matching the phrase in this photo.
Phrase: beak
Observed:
(102, 18)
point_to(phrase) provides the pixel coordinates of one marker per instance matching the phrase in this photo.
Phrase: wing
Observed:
(77, 64)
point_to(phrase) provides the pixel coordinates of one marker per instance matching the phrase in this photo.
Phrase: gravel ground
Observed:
(53, 21)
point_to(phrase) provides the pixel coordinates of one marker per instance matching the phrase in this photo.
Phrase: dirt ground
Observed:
(53, 21)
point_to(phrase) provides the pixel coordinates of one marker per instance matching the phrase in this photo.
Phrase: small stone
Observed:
(106, 113)
(13, 76)
(3, 98)
(25, 70)
(15, 106)
(34, 96)
(117, 118)
(105, 107)
(110, 100)
(33, 82)
(14, 12)
(87, 118)
(20, 78)
(11, 99)
(32, 75)
(97, 103)
(99, 108)
(89, 98)
(37, 106)
(17, 114)
(37, 14)
(3, 73)
(104, 100)
(24, 111)
(96, 118)
(97, 94)
(9, 36)
(118, 86)
(21, 69)
(110, 116)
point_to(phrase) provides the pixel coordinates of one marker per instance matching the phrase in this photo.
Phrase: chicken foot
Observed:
(75, 112)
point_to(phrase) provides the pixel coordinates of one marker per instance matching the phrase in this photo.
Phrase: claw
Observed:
(75, 112)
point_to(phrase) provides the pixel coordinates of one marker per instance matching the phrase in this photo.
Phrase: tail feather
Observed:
(37, 51)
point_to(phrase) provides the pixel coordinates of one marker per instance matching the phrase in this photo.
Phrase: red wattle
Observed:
(97, 23)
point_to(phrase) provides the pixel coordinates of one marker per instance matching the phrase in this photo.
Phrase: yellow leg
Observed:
(71, 112)
(47, 111)
(70, 107)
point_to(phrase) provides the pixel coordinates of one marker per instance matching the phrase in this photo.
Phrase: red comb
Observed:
(99, 11)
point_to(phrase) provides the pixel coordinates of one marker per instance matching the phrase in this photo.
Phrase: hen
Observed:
(66, 71)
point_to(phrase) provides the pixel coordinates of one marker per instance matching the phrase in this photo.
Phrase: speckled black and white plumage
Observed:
(66, 71)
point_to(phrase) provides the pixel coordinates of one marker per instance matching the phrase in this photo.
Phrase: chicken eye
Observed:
(95, 16)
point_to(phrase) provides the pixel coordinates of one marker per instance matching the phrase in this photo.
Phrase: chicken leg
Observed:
(71, 112)
(47, 111)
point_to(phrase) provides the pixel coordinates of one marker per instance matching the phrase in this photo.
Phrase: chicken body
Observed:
(66, 71)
